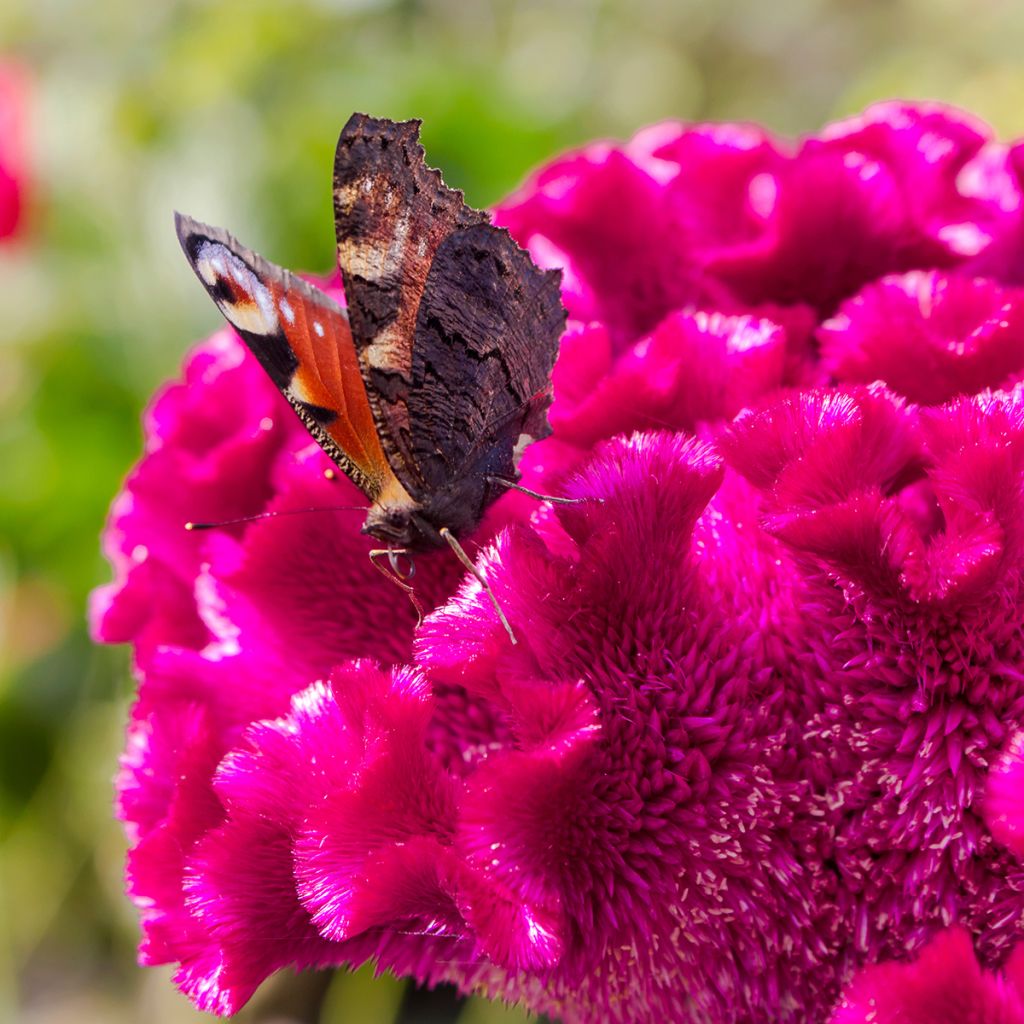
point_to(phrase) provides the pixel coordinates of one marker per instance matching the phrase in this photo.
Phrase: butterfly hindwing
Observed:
(302, 339)
(392, 213)
(487, 332)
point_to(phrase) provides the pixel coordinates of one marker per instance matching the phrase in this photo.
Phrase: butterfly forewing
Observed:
(302, 339)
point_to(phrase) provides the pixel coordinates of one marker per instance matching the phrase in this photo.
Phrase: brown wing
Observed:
(392, 214)
(487, 333)
(302, 339)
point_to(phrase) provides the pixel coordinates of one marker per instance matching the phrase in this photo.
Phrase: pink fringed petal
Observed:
(239, 882)
(944, 985)
(393, 794)
(614, 225)
(1004, 796)
(211, 442)
(240, 894)
(888, 496)
(870, 196)
(692, 368)
(928, 336)
(168, 804)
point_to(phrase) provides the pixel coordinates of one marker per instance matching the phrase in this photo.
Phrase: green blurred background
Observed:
(230, 111)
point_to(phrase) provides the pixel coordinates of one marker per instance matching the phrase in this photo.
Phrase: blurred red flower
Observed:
(14, 170)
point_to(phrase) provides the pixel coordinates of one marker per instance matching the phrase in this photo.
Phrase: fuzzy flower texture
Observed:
(759, 752)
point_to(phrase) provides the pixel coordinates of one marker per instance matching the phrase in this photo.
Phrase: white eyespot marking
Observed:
(255, 312)
(248, 317)
(286, 310)
(210, 269)
(298, 393)
(522, 443)
(373, 264)
(319, 328)
(385, 350)
(345, 197)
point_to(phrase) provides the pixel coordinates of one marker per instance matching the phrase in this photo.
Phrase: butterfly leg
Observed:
(395, 574)
(535, 494)
(461, 555)
(393, 555)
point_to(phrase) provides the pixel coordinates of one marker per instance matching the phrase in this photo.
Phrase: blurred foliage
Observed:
(230, 111)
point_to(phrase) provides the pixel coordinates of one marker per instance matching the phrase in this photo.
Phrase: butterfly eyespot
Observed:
(222, 290)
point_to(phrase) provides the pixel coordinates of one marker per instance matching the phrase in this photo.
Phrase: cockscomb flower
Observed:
(757, 754)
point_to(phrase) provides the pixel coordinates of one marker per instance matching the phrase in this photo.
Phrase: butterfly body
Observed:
(416, 526)
(426, 389)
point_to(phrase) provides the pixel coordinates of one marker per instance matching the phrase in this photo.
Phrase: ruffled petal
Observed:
(929, 336)
(944, 985)
(693, 368)
(1004, 796)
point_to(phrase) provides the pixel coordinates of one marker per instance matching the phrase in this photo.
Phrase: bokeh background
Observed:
(230, 111)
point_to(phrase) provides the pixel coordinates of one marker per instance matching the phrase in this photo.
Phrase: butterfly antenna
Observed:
(536, 494)
(461, 555)
(272, 515)
(396, 577)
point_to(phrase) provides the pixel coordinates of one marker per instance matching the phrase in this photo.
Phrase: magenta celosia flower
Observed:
(761, 739)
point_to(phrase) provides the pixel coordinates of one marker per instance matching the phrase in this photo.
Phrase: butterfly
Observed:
(426, 390)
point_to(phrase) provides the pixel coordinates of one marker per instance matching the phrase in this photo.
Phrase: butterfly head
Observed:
(397, 526)
(417, 526)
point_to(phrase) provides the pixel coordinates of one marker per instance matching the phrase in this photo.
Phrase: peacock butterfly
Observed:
(427, 389)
